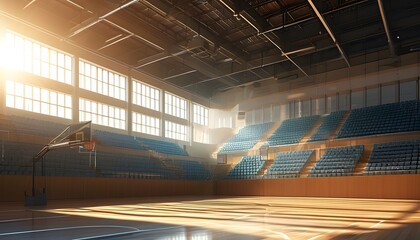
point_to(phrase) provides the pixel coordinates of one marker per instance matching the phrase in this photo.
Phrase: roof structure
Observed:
(208, 46)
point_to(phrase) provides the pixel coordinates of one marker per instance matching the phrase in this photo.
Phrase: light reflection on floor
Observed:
(228, 218)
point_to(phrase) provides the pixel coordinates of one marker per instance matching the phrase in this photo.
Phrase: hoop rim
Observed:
(89, 146)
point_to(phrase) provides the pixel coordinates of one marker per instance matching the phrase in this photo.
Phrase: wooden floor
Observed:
(214, 218)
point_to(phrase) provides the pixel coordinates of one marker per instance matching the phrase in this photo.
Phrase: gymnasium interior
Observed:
(210, 119)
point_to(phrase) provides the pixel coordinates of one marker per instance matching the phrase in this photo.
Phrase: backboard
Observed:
(77, 132)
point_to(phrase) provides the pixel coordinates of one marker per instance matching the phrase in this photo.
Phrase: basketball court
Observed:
(214, 218)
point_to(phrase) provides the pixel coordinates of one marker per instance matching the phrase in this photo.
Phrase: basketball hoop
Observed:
(89, 146)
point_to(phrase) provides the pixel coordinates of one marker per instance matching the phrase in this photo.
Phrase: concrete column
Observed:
(129, 116)
(162, 111)
(75, 97)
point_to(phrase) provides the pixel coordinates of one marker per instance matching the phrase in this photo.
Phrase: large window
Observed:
(306, 108)
(357, 99)
(175, 106)
(146, 96)
(176, 131)
(27, 55)
(344, 101)
(102, 114)
(146, 124)
(38, 100)
(408, 91)
(201, 115)
(372, 96)
(318, 106)
(201, 134)
(331, 104)
(388, 93)
(102, 81)
(201, 121)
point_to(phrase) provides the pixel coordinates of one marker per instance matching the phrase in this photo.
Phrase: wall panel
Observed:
(386, 186)
(12, 188)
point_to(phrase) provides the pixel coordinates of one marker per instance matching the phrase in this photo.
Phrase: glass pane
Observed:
(388, 94)
(357, 99)
(372, 97)
(408, 91)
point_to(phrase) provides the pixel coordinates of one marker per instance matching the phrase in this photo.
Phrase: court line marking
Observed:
(65, 228)
(285, 236)
(35, 218)
(133, 230)
(377, 224)
(330, 231)
(320, 235)
(126, 233)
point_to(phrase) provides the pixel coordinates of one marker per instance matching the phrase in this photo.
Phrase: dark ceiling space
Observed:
(208, 46)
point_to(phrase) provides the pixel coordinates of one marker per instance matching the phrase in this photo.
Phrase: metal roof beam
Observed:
(176, 51)
(170, 10)
(250, 15)
(283, 26)
(197, 42)
(386, 26)
(93, 21)
(322, 19)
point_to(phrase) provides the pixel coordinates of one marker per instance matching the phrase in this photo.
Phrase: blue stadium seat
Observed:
(247, 168)
(192, 170)
(337, 162)
(329, 124)
(288, 164)
(159, 146)
(246, 138)
(292, 131)
(382, 119)
(394, 158)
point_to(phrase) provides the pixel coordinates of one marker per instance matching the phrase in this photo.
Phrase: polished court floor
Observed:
(214, 218)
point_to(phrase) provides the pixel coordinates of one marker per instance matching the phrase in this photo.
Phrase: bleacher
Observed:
(192, 170)
(247, 168)
(288, 164)
(36, 126)
(117, 165)
(329, 124)
(382, 119)
(164, 147)
(337, 162)
(116, 140)
(394, 158)
(246, 138)
(292, 130)
(17, 157)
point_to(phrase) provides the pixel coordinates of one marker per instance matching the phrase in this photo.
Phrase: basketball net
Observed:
(89, 148)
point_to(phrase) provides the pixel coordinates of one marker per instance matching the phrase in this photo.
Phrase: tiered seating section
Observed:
(337, 162)
(394, 158)
(382, 119)
(16, 156)
(63, 162)
(131, 166)
(329, 124)
(116, 140)
(138, 143)
(192, 170)
(288, 164)
(247, 168)
(162, 146)
(292, 131)
(36, 126)
(389, 158)
(246, 138)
